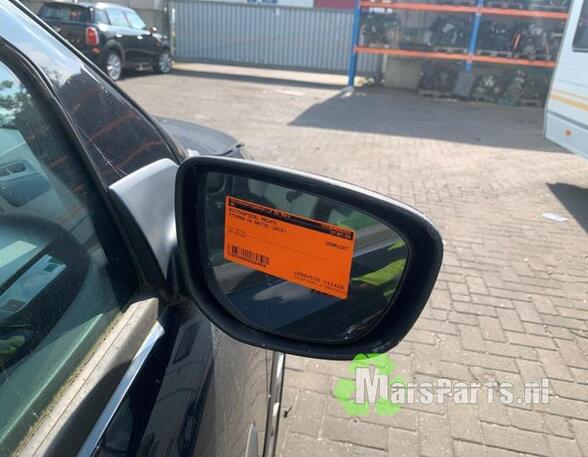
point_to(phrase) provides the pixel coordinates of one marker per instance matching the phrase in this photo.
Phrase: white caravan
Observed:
(566, 110)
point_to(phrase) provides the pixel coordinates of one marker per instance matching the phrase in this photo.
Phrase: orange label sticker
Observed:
(304, 251)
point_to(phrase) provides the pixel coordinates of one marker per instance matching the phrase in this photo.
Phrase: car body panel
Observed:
(198, 139)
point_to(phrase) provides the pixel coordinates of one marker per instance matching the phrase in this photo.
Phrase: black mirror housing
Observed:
(209, 189)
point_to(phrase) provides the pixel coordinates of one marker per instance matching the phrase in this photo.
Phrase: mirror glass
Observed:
(294, 263)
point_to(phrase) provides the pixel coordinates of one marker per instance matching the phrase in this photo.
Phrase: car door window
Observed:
(581, 36)
(100, 17)
(63, 274)
(117, 17)
(135, 21)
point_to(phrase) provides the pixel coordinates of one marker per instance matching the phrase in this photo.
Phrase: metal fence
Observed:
(286, 37)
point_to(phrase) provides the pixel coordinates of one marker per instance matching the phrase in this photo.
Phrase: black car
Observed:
(114, 37)
(149, 289)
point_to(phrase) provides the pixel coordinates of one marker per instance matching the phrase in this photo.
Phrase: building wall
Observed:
(267, 35)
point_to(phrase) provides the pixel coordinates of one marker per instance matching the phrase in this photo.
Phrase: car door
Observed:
(126, 35)
(97, 356)
(147, 44)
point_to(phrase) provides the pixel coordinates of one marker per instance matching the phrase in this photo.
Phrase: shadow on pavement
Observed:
(388, 112)
(253, 79)
(575, 199)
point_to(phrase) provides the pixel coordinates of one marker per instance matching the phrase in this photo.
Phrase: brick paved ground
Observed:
(511, 300)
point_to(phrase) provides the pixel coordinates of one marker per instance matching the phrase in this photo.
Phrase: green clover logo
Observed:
(345, 388)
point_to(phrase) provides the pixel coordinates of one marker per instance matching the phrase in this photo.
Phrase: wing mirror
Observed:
(301, 264)
(153, 30)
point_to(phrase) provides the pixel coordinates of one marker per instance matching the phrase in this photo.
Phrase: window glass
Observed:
(117, 17)
(63, 274)
(101, 17)
(65, 13)
(581, 36)
(135, 21)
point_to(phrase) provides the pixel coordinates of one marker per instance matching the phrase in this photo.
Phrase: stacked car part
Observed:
(521, 34)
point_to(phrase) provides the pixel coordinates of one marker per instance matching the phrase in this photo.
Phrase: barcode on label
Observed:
(251, 256)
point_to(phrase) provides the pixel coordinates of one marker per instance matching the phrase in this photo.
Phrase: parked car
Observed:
(114, 37)
(149, 292)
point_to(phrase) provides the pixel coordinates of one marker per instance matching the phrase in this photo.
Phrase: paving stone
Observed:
(309, 446)
(490, 361)
(309, 381)
(580, 429)
(289, 395)
(436, 326)
(563, 446)
(536, 329)
(464, 423)
(402, 443)
(543, 304)
(491, 329)
(516, 440)
(435, 435)
(493, 413)
(476, 285)
(509, 320)
(416, 335)
(571, 354)
(466, 449)
(472, 308)
(565, 322)
(510, 294)
(360, 451)
(554, 365)
(570, 390)
(530, 340)
(527, 420)
(461, 318)
(440, 299)
(471, 338)
(558, 425)
(455, 371)
(426, 361)
(307, 413)
(450, 348)
(531, 371)
(497, 302)
(327, 367)
(297, 363)
(355, 432)
(580, 375)
(511, 350)
(565, 407)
